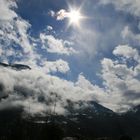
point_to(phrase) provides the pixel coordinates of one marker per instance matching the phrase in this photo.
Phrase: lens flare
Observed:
(74, 17)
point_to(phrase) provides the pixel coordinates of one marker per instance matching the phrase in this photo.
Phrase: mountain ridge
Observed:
(15, 66)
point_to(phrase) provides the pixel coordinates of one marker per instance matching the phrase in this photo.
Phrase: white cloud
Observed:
(51, 13)
(54, 45)
(49, 28)
(23, 27)
(61, 14)
(36, 91)
(5, 10)
(120, 80)
(33, 87)
(56, 66)
(126, 51)
(93, 92)
(130, 6)
(14, 32)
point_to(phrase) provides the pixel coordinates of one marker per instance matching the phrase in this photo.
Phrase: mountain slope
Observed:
(15, 66)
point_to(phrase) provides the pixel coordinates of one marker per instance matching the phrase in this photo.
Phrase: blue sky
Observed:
(102, 50)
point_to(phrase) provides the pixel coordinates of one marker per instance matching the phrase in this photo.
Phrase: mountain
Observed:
(93, 121)
(87, 122)
(15, 66)
(130, 121)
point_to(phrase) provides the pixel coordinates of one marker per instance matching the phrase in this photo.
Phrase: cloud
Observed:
(54, 45)
(36, 92)
(59, 15)
(49, 28)
(13, 33)
(120, 79)
(130, 37)
(56, 66)
(127, 52)
(86, 41)
(129, 6)
(51, 13)
(1, 51)
(18, 46)
(24, 40)
(6, 10)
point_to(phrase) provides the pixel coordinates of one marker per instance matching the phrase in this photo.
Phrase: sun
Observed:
(74, 17)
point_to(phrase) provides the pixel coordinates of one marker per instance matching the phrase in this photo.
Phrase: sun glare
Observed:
(74, 17)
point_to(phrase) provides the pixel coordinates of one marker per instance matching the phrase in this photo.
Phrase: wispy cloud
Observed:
(130, 37)
(130, 6)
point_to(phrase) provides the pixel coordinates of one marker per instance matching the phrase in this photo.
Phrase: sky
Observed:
(80, 50)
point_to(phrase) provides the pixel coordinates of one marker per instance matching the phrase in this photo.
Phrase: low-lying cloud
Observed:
(34, 90)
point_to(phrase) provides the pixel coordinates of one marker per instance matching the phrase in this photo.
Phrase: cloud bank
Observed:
(34, 90)
(37, 92)
(130, 6)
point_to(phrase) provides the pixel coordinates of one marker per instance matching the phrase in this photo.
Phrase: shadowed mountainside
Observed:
(15, 66)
